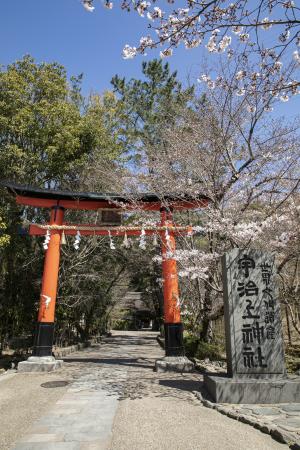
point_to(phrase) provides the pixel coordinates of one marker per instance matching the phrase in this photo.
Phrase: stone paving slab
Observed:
(66, 427)
(43, 437)
(48, 446)
(82, 418)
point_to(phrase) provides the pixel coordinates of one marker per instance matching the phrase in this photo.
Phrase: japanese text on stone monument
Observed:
(253, 312)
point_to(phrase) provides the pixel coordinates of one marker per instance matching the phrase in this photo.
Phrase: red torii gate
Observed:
(58, 202)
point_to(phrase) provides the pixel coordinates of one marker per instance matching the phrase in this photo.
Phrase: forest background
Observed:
(145, 134)
(149, 133)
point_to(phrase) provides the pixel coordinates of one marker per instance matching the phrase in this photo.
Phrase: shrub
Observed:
(120, 324)
(196, 348)
(292, 358)
(208, 350)
(190, 345)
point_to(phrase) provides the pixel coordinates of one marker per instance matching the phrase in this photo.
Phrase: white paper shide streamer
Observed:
(46, 240)
(77, 240)
(142, 243)
(126, 242)
(111, 242)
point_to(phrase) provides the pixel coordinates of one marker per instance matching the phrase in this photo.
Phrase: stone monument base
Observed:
(174, 364)
(40, 364)
(224, 389)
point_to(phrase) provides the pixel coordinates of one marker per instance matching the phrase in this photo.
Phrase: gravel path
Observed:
(160, 412)
(116, 402)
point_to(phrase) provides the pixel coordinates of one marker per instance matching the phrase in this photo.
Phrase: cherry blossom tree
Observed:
(226, 146)
(264, 33)
(230, 149)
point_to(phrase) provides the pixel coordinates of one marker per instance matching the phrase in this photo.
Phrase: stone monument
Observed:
(256, 370)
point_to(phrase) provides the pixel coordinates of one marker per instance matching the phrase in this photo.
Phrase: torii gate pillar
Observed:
(174, 361)
(45, 326)
(42, 359)
(172, 321)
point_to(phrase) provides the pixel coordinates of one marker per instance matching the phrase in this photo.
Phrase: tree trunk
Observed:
(206, 333)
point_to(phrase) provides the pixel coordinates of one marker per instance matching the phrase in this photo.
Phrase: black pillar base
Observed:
(174, 339)
(43, 339)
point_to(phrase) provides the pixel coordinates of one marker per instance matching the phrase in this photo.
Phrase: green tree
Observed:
(148, 104)
(47, 130)
(49, 133)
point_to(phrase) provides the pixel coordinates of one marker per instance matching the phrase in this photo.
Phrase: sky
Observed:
(92, 43)
(88, 43)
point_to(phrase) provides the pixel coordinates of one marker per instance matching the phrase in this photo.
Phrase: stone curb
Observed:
(161, 341)
(64, 351)
(276, 432)
(180, 364)
(60, 352)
